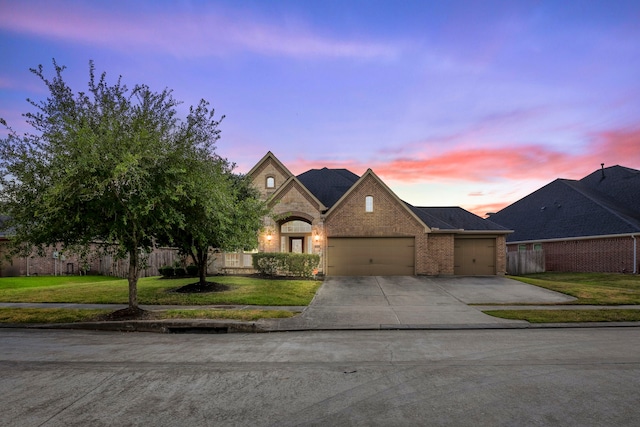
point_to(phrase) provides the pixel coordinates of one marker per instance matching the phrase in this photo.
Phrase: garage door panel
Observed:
(475, 256)
(371, 256)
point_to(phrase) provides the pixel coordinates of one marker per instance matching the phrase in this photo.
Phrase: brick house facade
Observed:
(328, 211)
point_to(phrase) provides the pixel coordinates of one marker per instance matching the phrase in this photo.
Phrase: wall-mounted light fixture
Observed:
(317, 237)
(269, 237)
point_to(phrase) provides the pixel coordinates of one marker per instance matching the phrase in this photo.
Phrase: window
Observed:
(271, 182)
(368, 204)
(295, 227)
(522, 248)
(232, 259)
(537, 246)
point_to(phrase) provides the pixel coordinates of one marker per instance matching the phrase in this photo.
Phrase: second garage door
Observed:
(475, 257)
(371, 256)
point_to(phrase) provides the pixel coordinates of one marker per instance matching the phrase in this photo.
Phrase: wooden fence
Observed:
(109, 265)
(525, 262)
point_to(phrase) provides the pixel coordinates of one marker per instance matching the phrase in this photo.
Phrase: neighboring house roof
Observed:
(606, 202)
(328, 185)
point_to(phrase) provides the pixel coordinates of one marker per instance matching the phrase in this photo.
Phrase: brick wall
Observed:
(610, 255)
(269, 168)
(439, 255)
(501, 255)
(388, 219)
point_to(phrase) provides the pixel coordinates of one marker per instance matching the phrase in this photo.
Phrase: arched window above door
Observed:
(295, 226)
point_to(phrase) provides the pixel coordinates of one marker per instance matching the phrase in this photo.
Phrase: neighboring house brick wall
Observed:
(608, 255)
(597, 255)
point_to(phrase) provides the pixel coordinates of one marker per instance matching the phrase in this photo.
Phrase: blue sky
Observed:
(463, 103)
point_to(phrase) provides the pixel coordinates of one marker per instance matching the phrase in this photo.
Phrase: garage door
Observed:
(371, 256)
(475, 257)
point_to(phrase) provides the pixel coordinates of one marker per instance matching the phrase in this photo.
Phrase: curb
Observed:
(223, 327)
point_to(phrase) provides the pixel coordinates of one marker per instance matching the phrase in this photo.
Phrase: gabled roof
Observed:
(270, 156)
(455, 218)
(292, 181)
(328, 185)
(592, 206)
(370, 173)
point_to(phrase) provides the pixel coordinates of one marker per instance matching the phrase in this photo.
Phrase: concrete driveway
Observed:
(408, 302)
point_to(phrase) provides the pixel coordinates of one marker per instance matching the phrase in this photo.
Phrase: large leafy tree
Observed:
(108, 166)
(223, 210)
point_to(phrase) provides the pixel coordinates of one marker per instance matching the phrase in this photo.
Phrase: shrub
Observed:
(166, 271)
(285, 264)
(192, 270)
(180, 272)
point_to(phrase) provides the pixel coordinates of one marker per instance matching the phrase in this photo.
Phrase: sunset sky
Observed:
(452, 103)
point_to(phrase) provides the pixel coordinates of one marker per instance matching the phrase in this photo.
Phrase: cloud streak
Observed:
(513, 162)
(195, 34)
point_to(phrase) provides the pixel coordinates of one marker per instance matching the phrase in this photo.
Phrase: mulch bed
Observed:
(197, 288)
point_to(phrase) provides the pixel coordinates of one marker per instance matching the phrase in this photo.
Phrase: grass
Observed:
(48, 315)
(156, 291)
(70, 315)
(568, 316)
(590, 288)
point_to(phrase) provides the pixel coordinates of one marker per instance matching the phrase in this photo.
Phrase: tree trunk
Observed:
(202, 265)
(133, 278)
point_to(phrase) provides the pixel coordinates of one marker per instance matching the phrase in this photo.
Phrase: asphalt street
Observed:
(569, 377)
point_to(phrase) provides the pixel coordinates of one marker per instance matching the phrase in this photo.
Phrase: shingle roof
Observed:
(592, 206)
(328, 185)
(455, 218)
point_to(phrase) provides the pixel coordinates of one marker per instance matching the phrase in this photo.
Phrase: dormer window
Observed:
(271, 182)
(368, 204)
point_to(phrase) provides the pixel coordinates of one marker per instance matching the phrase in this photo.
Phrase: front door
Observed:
(296, 245)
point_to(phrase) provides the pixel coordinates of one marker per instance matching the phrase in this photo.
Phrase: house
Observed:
(588, 225)
(359, 226)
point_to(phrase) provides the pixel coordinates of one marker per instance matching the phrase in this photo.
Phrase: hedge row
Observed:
(286, 264)
(169, 271)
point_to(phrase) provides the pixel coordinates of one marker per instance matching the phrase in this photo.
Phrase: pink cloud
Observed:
(195, 34)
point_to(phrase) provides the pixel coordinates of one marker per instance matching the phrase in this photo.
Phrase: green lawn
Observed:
(590, 289)
(153, 290)
(568, 316)
(69, 315)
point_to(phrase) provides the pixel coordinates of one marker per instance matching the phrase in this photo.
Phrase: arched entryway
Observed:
(296, 236)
